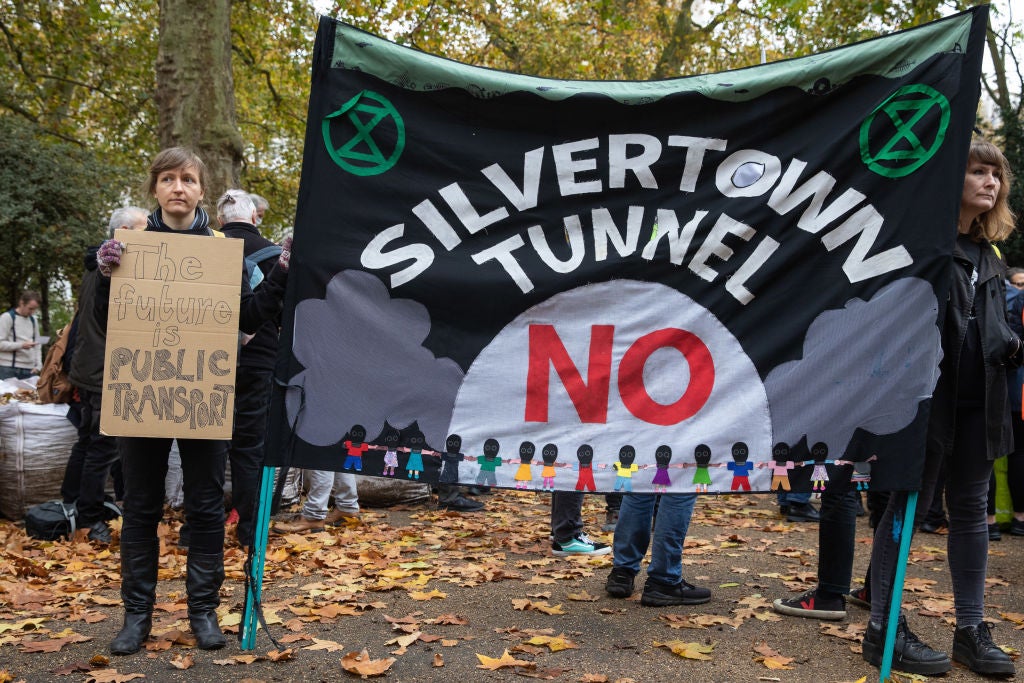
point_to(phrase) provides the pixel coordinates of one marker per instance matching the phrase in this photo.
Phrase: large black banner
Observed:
(727, 282)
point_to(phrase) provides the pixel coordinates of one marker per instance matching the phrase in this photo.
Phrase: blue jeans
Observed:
(633, 534)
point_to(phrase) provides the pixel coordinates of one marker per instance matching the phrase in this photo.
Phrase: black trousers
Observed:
(144, 462)
(248, 439)
(91, 460)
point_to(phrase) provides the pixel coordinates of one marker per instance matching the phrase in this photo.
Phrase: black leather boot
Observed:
(203, 578)
(139, 563)
(909, 653)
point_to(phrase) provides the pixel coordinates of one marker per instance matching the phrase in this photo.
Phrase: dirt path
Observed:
(480, 584)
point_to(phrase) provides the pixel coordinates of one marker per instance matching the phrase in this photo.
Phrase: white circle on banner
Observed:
(697, 387)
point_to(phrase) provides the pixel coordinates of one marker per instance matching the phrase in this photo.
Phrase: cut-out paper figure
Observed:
(819, 476)
(355, 446)
(415, 449)
(523, 474)
(450, 460)
(392, 439)
(862, 473)
(585, 480)
(625, 468)
(740, 468)
(702, 477)
(548, 454)
(488, 462)
(781, 465)
(661, 480)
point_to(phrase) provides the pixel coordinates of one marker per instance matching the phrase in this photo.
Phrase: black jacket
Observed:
(87, 356)
(999, 347)
(261, 350)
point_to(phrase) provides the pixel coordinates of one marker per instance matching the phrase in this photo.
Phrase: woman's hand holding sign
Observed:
(109, 255)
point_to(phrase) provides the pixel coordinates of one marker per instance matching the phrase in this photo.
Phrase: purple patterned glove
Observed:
(109, 255)
(286, 254)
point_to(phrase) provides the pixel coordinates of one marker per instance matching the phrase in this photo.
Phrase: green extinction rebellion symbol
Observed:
(374, 134)
(905, 131)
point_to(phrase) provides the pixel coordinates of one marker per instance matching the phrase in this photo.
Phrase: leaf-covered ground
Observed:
(417, 594)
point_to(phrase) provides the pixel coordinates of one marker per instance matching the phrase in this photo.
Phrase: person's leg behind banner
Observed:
(836, 537)
(314, 511)
(567, 533)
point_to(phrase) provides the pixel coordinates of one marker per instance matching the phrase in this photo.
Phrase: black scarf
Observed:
(200, 224)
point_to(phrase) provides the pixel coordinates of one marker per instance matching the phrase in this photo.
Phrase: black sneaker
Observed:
(1016, 527)
(100, 532)
(861, 597)
(973, 647)
(611, 518)
(909, 655)
(802, 512)
(462, 504)
(657, 594)
(619, 583)
(993, 532)
(935, 527)
(812, 606)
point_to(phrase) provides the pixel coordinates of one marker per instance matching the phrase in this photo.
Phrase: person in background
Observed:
(177, 181)
(254, 378)
(1014, 459)
(94, 453)
(322, 486)
(968, 428)
(20, 350)
(665, 585)
(262, 206)
(1015, 276)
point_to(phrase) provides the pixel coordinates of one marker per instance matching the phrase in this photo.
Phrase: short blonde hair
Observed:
(997, 223)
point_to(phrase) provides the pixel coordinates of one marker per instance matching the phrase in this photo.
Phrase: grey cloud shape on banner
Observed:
(354, 326)
(867, 365)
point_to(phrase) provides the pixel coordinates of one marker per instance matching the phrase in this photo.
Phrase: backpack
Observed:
(252, 271)
(54, 385)
(50, 520)
(56, 519)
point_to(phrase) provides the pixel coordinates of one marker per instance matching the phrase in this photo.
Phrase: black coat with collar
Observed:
(999, 347)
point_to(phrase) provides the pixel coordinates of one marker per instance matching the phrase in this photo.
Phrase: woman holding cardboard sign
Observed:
(177, 180)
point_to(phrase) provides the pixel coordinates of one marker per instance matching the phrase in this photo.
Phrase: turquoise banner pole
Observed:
(254, 577)
(906, 532)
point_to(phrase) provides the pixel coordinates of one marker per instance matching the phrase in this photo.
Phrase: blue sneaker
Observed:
(579, 545)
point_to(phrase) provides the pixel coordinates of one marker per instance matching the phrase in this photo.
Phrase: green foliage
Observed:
(54, 201)
(82, 72)
(271, 47)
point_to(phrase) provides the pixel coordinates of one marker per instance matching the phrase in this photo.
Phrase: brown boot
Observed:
(338, 517)
(303, 525)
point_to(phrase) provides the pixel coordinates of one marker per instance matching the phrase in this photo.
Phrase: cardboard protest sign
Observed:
(728, 282)
(172, 337)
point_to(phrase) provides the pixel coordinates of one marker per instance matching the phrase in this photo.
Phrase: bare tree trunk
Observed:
(195, 92)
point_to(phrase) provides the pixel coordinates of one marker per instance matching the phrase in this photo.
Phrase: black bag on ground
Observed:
(51, 520)
(55, 519)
